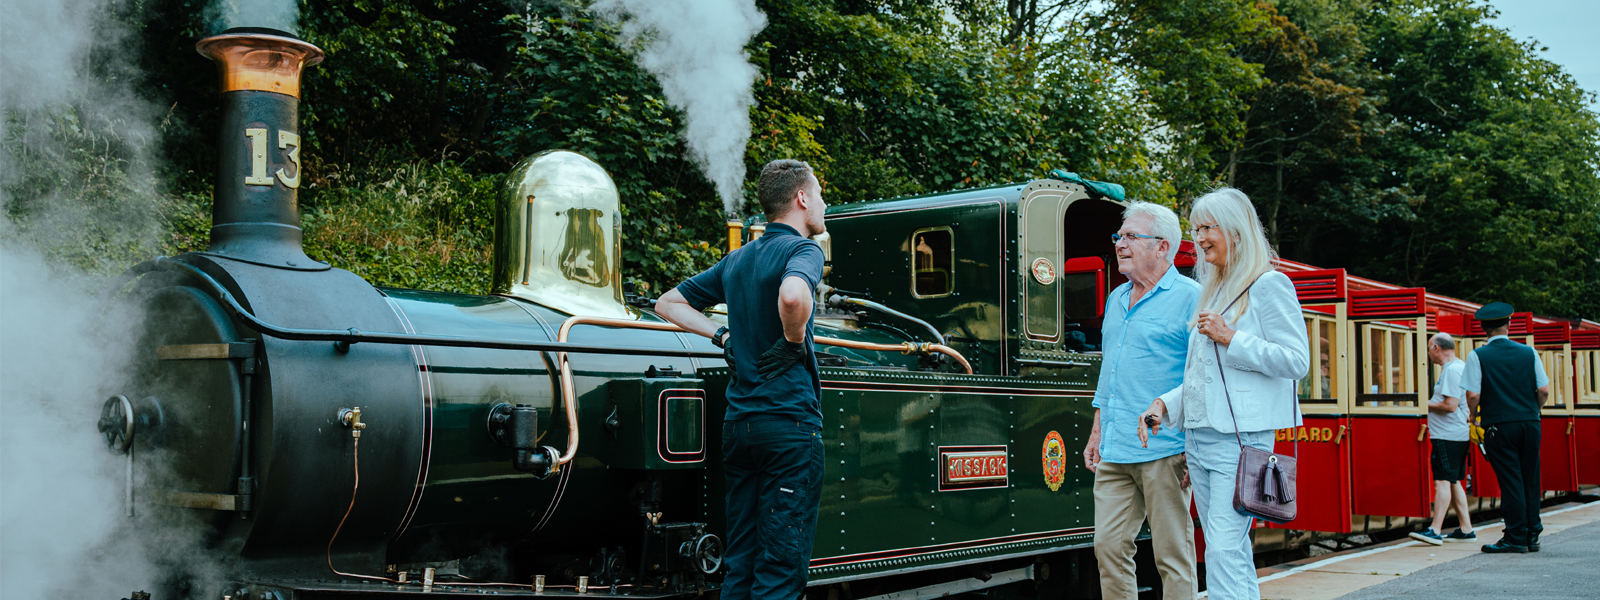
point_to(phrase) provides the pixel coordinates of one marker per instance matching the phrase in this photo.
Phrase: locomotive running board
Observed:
(959, 587)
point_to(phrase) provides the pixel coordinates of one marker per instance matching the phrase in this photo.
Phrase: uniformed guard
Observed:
(1505, 385)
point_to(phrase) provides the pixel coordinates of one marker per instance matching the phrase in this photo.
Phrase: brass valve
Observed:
(351, 417)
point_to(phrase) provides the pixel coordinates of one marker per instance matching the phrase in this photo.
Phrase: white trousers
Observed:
(1230, 558)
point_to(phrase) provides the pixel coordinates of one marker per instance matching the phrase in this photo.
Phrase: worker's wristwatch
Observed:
(716, 338)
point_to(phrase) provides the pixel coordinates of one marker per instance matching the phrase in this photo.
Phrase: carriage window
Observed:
(1389, 366)
(1587, 365)
(1555, 367)
(932, 263)
(1321, 384)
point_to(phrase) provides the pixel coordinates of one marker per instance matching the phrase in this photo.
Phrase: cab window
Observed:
(1041, 248)
(932, 263)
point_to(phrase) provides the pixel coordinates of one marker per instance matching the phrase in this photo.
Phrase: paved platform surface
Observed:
(1568, 567)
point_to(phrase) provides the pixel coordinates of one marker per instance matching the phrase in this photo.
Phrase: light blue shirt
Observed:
(1145, 349)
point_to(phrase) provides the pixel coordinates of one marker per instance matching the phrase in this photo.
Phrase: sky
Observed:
(1567, 27)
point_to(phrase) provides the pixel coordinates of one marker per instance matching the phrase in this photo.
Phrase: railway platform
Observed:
(1454, 571)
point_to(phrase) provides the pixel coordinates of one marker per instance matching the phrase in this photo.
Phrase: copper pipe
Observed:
(355, 455)
(903, 348)
(569, 396)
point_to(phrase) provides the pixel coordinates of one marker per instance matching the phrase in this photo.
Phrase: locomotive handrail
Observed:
(354, 336)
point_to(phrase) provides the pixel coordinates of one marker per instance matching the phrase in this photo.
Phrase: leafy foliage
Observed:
(1408, 140)
(1484, 181)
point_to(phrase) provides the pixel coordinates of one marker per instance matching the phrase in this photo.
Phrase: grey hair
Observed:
(1443, 340)
(1163, 222)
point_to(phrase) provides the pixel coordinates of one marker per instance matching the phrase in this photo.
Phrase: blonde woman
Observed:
(1249, 332)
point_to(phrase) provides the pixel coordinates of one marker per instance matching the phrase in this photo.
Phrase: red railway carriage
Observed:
(1364, 447)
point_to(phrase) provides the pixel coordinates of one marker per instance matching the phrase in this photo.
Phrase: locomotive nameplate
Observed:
(973, 467)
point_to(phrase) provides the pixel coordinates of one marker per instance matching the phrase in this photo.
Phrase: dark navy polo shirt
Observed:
(747, 280)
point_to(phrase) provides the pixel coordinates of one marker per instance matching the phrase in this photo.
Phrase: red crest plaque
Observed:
(1055, 461)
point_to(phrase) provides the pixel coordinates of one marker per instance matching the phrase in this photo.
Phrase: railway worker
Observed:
(1247, 349)
(1447, 427)
(1505, 385)
(771, 432)
(1143, 336)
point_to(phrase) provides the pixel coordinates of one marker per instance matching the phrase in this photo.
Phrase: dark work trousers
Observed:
(1513, 451)
(774, 470)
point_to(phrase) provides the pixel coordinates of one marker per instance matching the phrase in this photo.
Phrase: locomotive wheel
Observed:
(116, 423)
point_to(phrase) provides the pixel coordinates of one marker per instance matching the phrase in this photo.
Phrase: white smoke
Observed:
(282, 15)
(76, 200)
(696, 50)
(61, 492)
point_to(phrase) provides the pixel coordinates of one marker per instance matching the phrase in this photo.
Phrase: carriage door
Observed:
(1390, 472)
(1321, 445)
(1586, 404)
(1558, 452)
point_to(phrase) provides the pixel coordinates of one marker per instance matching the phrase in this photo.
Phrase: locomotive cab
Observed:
(1014, 277)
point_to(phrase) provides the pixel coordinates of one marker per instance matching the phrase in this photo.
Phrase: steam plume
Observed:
(282, 15)
(696, 50)
(78, 200)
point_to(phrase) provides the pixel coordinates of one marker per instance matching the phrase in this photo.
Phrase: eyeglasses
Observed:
(1115, 238)
(1201, 230)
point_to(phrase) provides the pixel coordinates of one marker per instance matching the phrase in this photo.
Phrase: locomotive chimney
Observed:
(255, 216)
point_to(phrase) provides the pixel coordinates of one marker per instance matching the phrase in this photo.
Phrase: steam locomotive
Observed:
(556, 437)
(337, 439)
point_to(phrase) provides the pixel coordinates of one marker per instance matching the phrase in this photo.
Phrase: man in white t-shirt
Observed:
(1448, 429)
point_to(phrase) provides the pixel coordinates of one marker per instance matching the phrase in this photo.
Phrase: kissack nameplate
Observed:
(973, 467)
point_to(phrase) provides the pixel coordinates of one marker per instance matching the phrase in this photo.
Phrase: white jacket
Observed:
(1268, 355)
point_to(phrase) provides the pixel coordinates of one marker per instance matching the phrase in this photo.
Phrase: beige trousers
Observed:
(1124, 496)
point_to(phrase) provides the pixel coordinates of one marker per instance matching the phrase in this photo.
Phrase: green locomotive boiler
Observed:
(557, 437)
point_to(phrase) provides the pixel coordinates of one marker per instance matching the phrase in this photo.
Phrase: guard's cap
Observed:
(1494, 311)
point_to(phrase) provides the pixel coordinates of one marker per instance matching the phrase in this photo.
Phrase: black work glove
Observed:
(780, 358)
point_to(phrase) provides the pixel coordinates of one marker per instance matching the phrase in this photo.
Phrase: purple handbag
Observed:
(1264, 484)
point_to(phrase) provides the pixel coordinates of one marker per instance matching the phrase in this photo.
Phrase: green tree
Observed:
(1486, 185)
(1306, 121)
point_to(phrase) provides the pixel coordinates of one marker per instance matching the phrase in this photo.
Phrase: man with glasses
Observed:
(1144, 335)
(1447, 428)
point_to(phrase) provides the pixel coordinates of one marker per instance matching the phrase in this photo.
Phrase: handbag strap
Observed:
(1227, 397)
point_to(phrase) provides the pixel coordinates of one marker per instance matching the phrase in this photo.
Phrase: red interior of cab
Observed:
(1186, 256)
